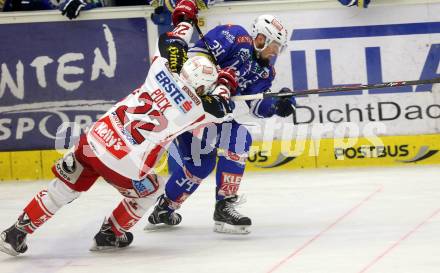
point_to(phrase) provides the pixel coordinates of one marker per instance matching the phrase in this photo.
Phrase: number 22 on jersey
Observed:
(135, 126)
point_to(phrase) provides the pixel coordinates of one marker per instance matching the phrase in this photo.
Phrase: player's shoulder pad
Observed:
(234, 34)
(237, 29)
(240, 33)
(242, 36)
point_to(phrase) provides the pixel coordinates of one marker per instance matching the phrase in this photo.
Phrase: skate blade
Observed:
(220, 227)
(151, 227)
(7, 248)
(96, 248)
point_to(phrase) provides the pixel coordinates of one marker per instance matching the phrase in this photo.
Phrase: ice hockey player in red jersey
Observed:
(124, 145)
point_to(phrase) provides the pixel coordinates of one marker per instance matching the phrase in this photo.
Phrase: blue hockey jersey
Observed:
(232, 46)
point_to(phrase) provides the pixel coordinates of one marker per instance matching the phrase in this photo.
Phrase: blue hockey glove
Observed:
(285, 106)
(161, 16)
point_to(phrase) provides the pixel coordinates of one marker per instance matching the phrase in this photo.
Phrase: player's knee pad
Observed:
(193, 171)
(236, 145)
(60, 194)
(232, 162)
(47, 202)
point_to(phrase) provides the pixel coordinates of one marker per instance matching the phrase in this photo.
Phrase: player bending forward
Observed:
(126, 142)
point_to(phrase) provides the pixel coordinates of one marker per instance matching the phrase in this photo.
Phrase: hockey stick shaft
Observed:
(345, 88)
(202, 37)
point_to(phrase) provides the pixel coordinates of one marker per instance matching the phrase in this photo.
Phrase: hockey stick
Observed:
(344, 88)
(202, 37)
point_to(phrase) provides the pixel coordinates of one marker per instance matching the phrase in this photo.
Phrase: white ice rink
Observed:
(328, 221)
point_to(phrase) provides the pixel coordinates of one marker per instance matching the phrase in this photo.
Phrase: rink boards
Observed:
(273, 156)
(349, 152)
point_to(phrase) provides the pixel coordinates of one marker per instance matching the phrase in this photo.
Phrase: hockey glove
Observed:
(186, 10)
(359, 3)
(228, 78)
(217, 106)
(222, 91)
(161, 16)
(72, 8)
(285, 106)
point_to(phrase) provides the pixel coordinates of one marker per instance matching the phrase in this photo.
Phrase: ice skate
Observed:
(106, 239)
(13, 239)
(163, 216)
(228, 220)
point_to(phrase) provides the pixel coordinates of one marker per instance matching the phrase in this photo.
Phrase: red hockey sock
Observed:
(37, 212)
(126, 215)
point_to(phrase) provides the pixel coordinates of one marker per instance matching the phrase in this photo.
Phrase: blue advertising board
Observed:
(65, 72)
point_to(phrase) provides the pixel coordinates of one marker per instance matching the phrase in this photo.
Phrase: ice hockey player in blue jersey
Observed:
(248, 57)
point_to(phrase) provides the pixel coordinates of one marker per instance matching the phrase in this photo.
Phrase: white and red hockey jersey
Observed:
(133, 134)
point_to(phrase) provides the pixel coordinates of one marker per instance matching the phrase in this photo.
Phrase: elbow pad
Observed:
(174, 49)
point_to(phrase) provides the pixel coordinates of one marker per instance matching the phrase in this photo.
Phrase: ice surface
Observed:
(358, 220)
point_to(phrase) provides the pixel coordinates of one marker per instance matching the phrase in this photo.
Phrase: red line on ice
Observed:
(317, 236)
(403, 238)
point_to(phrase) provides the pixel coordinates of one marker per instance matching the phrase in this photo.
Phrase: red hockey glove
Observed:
(228, 78)
(186, 10)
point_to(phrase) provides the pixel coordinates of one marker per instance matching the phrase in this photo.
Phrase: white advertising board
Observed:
(342, 46)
